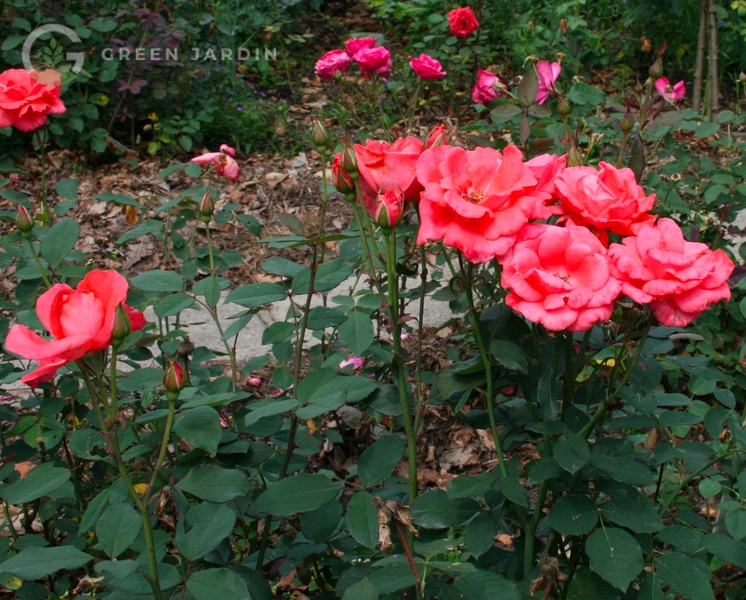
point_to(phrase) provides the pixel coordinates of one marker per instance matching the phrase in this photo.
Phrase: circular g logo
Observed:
(77, 57)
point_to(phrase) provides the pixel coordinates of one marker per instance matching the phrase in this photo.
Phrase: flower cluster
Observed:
(549, 227)
(371, 58)
(489, 86)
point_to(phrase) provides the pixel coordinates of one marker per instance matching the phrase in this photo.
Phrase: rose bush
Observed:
(27, 97)
(80, 321)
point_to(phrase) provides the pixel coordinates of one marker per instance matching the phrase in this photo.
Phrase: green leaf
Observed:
(200, 427)
(267, 409)
(486, 585)
(35, 562)
(40, 481)
(615, 555)
(254, 295)
(586, 585)
(212, 291)
(118, 528)
(480, 534)
(735, 521)
(727, 548)
(356, 333)
(67, 188)
(571, 452)
(470, 486)
(509, 355)
(585, 95)
(318, 524)
(362, 519)
(684, 576)
(205, 526)
(362, 590)
(573, 515)
(277, 332)
(322, 317)
(527, 88)
(514, 491)
(328, 276)
(59, 240)
(93, 512)
(296, 494)
(379, 459)
(158, 281)
(435, 510)
(117, 199)
(632, 513)
(217, 583)
(622, 468)
(651, 588)
(214, 483)
(173, 305)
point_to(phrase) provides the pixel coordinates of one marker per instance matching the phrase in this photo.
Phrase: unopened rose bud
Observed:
(24, 222)
(656, 69)
(436, 137)
(742, 77)
(389, 208)
(122, 326)
(349, 161)
(319, 136)
(207, 206)
(627, 123)
(563, 107)
(173, 380)
(342, 180)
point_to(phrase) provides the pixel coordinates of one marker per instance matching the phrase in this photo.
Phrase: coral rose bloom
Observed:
(559, 277)
(388, 167)
(608, 198)
(427, 67)
(475, 201)
(26, 99)
(487, 88)
(678, 278)
(332, 63)
(463, 21)
(80, 321)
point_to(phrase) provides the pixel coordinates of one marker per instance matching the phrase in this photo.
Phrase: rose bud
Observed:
(207, 206)
(319, 136)
(122, 326)
(24, 222)
(173, 380)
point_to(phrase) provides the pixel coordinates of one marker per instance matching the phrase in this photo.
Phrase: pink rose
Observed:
(374, 60)
(354, 45)
(608, 198)
(427, 67)
(671, 94)
(488, 87)
(679, 279)
(548, 73)
(81, 321)
(223, 161)
(332, 63)
(27, 97)
(559, 277)
(477, 200)
(463, 21)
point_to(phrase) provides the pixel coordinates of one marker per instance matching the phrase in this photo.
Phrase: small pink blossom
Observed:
(548, 73)
(672, 94)
(254, 381)
(488, 87)
(355, 45)
(357, 362)
(224, 162)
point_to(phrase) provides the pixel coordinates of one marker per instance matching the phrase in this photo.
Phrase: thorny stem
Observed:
(486, 361)
(209, 248)
(393, 301)
(114, 449)
(421, 317)
(585, 431)
(297, 363)
(38, 263)
(162, 452)
(528, 550)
